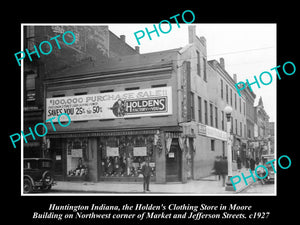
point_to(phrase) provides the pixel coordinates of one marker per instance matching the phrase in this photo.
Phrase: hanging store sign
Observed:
(124, 104)
(216, 133)
(76, 153)
(201, 129)
(139, 151)
(112, 151)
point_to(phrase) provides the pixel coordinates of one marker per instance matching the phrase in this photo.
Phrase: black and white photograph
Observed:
(166, 116)
(175, 114)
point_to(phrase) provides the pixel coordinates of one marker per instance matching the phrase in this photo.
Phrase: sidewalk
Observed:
(208, 185)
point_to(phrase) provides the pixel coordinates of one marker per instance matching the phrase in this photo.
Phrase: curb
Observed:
(245, 187)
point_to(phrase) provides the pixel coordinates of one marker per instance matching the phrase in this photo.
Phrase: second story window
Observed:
(199, 110)
(222, 120)
(192, 106)
(132, 88)
(205, 113)
(211, 115)
(106, 91)
(158, 85)
(216, 117)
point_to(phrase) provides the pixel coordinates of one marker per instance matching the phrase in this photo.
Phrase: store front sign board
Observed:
(123, 104)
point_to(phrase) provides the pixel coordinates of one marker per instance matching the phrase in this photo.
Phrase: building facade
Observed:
(135, 116)
(261, 131)
(165, 106)
(93, 43)
(205, 90)
(262, 119)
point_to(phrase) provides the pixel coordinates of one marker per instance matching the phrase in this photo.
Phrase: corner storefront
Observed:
(116, 155)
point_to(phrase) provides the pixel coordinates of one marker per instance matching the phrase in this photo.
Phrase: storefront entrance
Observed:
(56, 153)
(173, 162)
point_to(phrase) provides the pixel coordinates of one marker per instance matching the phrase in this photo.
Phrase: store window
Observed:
(124, 156)
(77, 157)
(212, 145)
(30, 90)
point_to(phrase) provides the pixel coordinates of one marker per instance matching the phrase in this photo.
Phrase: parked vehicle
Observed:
(271, 175)
(37, 174)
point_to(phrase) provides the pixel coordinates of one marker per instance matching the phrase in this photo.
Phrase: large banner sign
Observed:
(123, 104)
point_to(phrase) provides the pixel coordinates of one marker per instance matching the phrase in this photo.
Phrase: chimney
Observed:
(122, 37)
(214, 64)
(234, 78)
(192, 33)
(222, 63)
(137, 49)
(203, 40)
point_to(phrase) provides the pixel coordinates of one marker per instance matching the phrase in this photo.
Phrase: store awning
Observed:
(144, 131)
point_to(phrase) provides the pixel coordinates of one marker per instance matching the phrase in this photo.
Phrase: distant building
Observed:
(271, 128)
(262, 120)
(250, 112)
(262, 146)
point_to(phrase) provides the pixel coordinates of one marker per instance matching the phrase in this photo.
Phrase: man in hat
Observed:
(146, 171)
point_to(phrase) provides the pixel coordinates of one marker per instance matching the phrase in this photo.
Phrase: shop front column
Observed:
(92, 161)
(161, 160)
(184, 165)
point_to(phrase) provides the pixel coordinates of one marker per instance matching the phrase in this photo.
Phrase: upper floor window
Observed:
(107, 91)
(205, 113)
(216, 117)
(158, 85)
(211, 115)
(192, 106)
(199, 110)
(230, 96)
(198, 63)
(131, 88)
(226, 93)
(221, 89)
(204, 69)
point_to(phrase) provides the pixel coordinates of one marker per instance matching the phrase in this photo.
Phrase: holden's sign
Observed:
(123, 104)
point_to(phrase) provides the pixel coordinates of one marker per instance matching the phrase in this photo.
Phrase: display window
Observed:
(124, 156)
(77, 157)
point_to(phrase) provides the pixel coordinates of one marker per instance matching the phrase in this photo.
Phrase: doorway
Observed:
(173, 162)
(56, 153)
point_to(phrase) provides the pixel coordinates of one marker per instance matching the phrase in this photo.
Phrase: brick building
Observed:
(92, 43)
(166, 106)
(261, 133)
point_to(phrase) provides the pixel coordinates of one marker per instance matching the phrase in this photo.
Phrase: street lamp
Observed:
(228, 111)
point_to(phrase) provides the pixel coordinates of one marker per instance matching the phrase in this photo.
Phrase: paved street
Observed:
(205, 186)
(208, 185)
(259, 188)
(192, 187)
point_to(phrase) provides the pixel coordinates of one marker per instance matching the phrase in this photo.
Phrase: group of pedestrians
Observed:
(220, 168)
(249, 163)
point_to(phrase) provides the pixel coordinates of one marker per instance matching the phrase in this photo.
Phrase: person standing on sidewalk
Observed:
(252, 164)
(216, 168)
(146, 171)
(239, 163)
(223, 170)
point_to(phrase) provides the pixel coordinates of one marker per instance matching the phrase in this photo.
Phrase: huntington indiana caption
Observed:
(195, 212)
